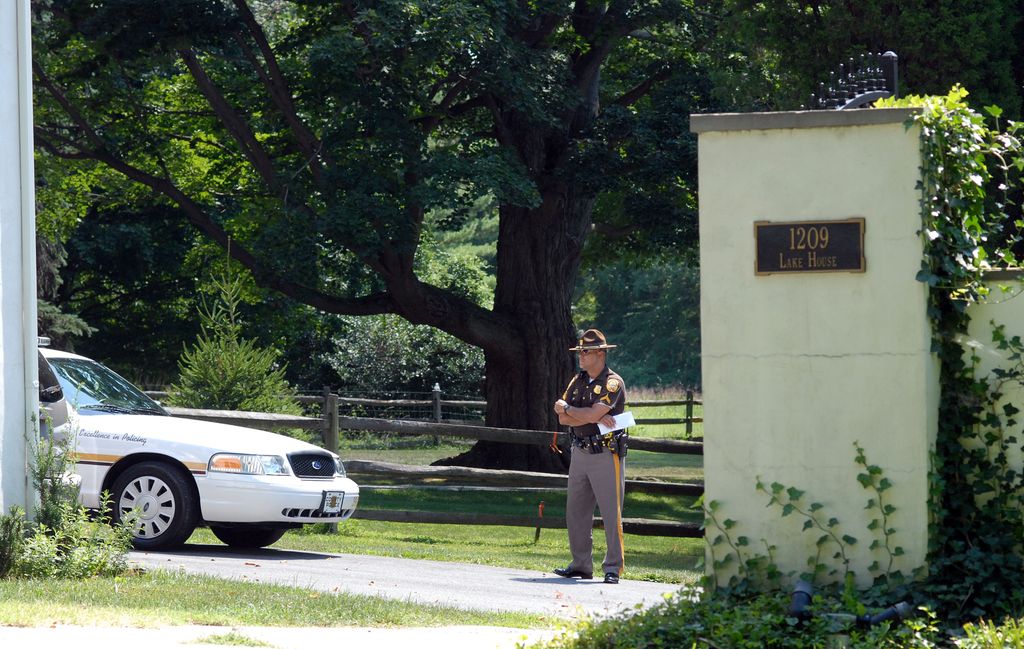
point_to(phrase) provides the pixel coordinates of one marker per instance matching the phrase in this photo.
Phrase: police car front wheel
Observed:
(159, 502)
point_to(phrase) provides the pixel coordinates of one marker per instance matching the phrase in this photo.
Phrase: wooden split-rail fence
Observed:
(331, 424)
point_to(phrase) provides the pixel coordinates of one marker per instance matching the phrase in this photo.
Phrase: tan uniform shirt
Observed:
(606, 388)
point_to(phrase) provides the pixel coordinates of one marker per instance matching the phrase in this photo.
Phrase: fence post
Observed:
(330, 414)
(437, 402)
(689, 413)
(437, 410)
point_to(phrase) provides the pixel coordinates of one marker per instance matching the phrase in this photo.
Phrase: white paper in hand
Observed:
(625, 420)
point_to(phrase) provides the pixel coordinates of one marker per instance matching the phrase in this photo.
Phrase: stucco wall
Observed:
(1006, 308)
(798, 367)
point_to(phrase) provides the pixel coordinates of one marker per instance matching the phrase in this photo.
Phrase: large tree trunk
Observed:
(538, 264)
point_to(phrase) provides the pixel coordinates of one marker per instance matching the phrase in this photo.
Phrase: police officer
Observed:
(597, 466)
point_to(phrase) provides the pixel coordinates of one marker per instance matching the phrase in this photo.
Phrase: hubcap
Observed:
(151, 502)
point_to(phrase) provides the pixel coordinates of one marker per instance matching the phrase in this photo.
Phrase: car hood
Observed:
(158, 431)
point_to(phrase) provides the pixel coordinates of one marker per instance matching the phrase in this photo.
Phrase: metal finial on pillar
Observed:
(859, 82)
(890, 72)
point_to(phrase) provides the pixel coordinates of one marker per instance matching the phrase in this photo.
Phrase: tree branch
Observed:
(232, 121)
(193, 140)
(459, 109)
(366, 34)
(197, 216)
(504, 136)
(425, 304)
(42, 138)
(430, 122)
(280, 93)
(602, 28)
(640, 90)
(69, 108)
(404, 293)
(540, 28)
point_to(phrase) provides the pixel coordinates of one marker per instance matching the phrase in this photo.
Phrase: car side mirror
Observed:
(51, 394)
(49, 387)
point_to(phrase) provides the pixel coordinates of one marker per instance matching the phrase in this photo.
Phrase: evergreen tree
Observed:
(223, 371)
(52, 321)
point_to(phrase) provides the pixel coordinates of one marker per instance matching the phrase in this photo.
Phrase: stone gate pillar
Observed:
(814, 332)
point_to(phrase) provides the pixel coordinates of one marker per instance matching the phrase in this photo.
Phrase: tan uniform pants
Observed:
(595, 478)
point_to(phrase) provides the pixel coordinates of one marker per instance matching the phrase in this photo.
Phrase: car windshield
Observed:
(88, 385)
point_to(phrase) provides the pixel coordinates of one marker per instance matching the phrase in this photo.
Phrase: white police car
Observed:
(249, 486)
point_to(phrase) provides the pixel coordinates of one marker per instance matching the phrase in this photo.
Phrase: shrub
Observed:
(51, 474)
(12, 537)
(386, 354)
(688, 620)
(986, 634)
(77, 549)
(62, 542)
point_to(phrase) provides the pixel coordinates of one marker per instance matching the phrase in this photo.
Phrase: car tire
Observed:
(167, 505)
(248, 537)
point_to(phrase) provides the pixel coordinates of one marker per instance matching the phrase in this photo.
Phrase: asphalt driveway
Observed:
(460, 585)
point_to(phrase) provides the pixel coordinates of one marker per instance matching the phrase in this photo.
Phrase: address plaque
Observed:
(809, 246)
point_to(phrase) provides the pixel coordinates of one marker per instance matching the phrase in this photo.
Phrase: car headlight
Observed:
(248, 464)
(339, 467)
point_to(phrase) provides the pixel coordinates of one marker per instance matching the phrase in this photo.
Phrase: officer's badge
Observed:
(613, 385)
(597, 389)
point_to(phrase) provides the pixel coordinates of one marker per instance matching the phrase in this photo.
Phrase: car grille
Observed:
(312, 465)
(294, 512)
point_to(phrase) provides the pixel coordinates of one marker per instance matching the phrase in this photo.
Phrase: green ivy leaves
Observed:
(969, 223)
(790, 501)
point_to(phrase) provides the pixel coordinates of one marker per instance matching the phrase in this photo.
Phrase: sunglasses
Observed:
(584, 352)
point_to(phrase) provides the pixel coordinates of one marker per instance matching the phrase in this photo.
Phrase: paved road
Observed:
(432, 582)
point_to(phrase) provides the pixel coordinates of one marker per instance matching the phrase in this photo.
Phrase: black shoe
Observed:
(611, 578)
(569, 573)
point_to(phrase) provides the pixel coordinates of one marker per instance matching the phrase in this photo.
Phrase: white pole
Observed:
(28, 237)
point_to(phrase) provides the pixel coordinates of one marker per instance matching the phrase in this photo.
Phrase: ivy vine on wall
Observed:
(970, 188)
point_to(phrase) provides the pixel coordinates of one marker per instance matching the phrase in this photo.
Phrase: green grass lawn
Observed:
(662, 559)
(519, 502)
(648, 558)
(169, 598)
(667, 431)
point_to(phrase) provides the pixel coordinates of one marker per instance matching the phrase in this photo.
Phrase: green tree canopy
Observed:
(316, 136)
(939, 43)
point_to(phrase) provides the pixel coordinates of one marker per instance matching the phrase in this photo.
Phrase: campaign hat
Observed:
(591, 339)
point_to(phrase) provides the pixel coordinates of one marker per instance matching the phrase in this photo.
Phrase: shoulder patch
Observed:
(613, 385)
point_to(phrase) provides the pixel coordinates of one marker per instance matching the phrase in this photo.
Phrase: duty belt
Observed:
(597, 443)
(588, 441)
